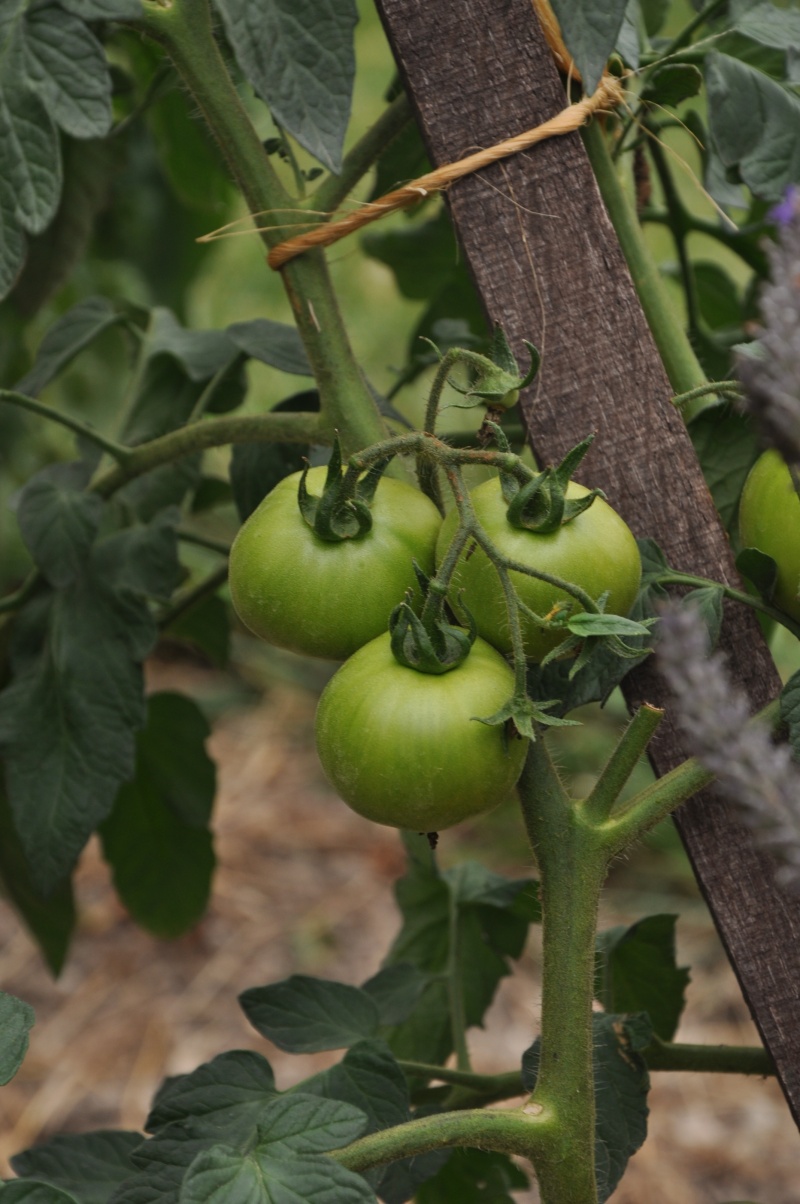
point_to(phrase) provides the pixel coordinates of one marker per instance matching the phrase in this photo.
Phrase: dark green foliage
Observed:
(636, 972)
(16, 1021)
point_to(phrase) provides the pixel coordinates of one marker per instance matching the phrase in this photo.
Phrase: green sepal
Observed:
(433, 646)
(343, 510)
(496, 381)
(541, 504)
(523, 712)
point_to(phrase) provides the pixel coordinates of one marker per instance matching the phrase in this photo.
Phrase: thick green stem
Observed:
(212, 432)
(185, 30)
(621, 764)
(708, 1059)
(680, 361)
(572, 869)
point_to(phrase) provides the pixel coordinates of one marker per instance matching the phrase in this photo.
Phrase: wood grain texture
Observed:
(548, 267)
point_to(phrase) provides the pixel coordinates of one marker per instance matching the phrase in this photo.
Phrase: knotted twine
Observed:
(609, 95)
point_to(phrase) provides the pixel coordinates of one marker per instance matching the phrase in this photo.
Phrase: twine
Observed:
(609, 94)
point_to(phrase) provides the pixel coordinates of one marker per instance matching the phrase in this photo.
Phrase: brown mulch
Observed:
(304, 886)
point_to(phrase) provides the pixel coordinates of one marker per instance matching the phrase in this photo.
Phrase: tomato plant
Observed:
(327, 598)
(406, 748)
(595, 550)
(769, 519)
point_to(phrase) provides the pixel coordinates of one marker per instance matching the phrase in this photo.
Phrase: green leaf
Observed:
(790, 712)
(422, 256)
(31, 156)
(50, 920)
(103, 10)
(708, 601)
(298, 55)
(759, 568)
(298, 1123)
(303, 1015)
(404, 159)
(69, 716)
(223, 1176)
(755, 125)
(205, 626)
(474, 1177)
(717, 296)
(273, 343)
(79, 327)
(621, 1084)
(493, 917)
(16, 1021)
(223, 1099)
(15, 1191)
(163, 1161)
(636, 971)
(396, 991)
(585, 624)
(672, 84)
(88, 1165)
(59, 525)
(156, 838)
(771, 26)
(591, 32)
(727, 449)
(654, 13)
(654, 562)
(66, 65)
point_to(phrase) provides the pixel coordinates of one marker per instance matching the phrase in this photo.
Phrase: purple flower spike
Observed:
(788, 209)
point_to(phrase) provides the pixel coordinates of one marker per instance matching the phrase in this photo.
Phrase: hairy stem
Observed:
(735, 595)
(621, 764)
(120, 453)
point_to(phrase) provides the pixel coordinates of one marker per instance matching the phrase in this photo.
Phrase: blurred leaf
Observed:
(772, 26)
(79, 327)
(654, 13)
(304, 1015)
(759, 568)
(493, 918)
(395, 991)
(190, 159)
(103, 10)
(790, 712)
(156, 838)
(15, 1191)
(206, 627)
(298, 55)
(404, 159)
(727, 448)
(88, 1165)
(717, 295)
(272, 343)
(755, 124)
(621, 1084)
(50, 920)
(256, 468)
(66, 65)
(222, 1099)
(636, 971)
(627, 45)
(423, 256)
(474, 1177)
(76, 658)
(58, 524)
(591, 32)
(16, 1021)
(708, 601)
(211, 493)
(672, 84)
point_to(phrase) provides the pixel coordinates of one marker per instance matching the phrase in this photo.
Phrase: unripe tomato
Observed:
(596, 551)
(769, 519)
(300, 592)
(405, 748)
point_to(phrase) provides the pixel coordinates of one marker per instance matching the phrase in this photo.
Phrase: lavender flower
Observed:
(754, 774)
(771, 377)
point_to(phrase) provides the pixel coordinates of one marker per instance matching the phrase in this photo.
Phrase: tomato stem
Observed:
(735, 595)
(621, 764)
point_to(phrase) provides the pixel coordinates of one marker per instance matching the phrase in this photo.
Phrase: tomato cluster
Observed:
(401, 746)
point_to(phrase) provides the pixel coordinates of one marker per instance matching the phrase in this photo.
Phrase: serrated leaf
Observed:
(636, 971)
(727, 448)
(298, 55)
(88, 1165)
(16, 1020)
(759, 568)
(755, 124)
(67, 66)
(621, 1084)
(69, 716)
(590, 32)
(224, 1098)
(301, 1124)
(304, 1015)
(156, 838)
(78, 327)
(586, 624)
(50, 920)
(31, 157)
(163, 1161)
(223, 1176)
(474, 1177)
(654, 562)
(59, 526)
(273, 343)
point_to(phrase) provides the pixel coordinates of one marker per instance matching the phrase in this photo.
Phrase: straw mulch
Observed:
(304, 886)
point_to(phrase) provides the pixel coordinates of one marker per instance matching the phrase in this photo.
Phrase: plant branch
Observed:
(621, 764)
(708, 1059)
(678, 228)
(360, 158)
(735, 595)
(120, 453)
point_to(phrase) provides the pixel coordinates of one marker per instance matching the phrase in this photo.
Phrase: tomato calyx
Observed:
(343, 510)
(496, 379)
(520, 715)
(427, 642)
(541, 504)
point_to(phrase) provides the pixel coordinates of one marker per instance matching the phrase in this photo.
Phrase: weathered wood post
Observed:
(548, 266)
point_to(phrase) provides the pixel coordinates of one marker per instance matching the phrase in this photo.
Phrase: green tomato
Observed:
(596, 551)
(405, 748)
(300, 592)
(769, 519)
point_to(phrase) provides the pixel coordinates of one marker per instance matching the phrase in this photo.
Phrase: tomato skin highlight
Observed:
(769, 519)
(596, 551)
(298, 591)
(404, 748)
